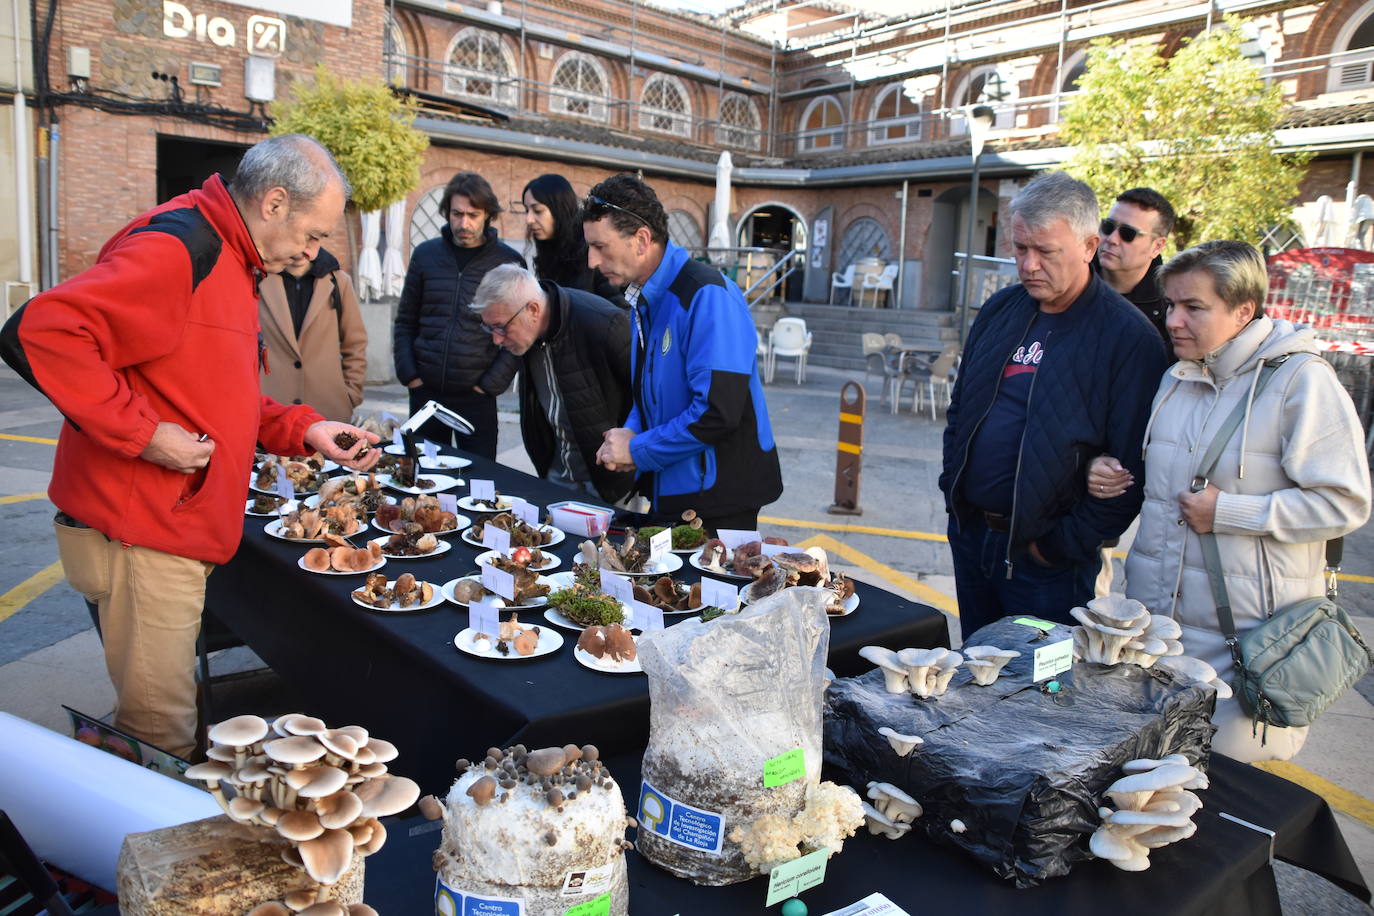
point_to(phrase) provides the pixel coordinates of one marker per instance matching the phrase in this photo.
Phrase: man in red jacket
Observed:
(152, 357)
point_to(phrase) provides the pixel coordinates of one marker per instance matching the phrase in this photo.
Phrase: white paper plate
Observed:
(443, 548)
(253, 485)
(335, 572)
(286, 508)
(469, 504)
(539, 602)
(463, 523)
(444, 463)
(549, 641)
(395, 608)
(606, 666)
(555, 617)
(555, 536)
(273, 530)
(851, 604)
(447, 591)
(550, 561)
(442, 482)
(695, 560)
(313, 500)
(668, 563)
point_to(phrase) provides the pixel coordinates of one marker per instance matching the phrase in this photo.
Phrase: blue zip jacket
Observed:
(699, 415)
(1091, 396)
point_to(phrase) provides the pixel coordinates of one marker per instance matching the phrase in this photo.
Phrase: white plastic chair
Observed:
(789, 337)
(844, 280)
(764, 352)
(879, 283)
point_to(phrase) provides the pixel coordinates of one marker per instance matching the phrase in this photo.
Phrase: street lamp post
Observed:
(979, 118)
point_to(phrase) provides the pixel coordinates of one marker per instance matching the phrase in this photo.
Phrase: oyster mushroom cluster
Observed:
(322, 789)
(830, 814)
(340, 556)
(1153, 808)
(924, 672)
(892, 811)
(985, 663)
(1191, 671)
(1115, 630)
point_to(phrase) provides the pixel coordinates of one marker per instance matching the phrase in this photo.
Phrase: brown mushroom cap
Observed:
(222, 753)
(339, 743)
(243, 809)
(294, 750)
(341, 558)
(482, 790)
(376, 840)
(317, 782)
(209, 771)
(299, 825)
(316, 559)
(361, 831)
(328, 856)
(431, 808)
(387, 795)
(382, 751)
(239, 731)
(361, 909)
(270, 908)
(299, 899)
(338, 810)
(299, 724)
(546, 761)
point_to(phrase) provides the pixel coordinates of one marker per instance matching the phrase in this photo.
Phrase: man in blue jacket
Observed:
(1057, 370)
(699, 425)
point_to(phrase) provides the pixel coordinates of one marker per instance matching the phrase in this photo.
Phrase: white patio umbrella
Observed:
(720, 229)
(393, 262)
(1326, 231)
(369, 262)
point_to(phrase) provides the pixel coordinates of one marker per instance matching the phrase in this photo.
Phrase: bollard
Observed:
(849, 450)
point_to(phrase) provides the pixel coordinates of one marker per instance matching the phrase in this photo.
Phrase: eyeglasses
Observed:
(1128, 233)
(593, 201)
(501, 328)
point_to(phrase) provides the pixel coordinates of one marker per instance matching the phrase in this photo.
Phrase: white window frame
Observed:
(806, 139)
(1062, 95)
(506, 89)
(1340, 78)
(878, 128)
(1005, 110)
(564, 101)
(739, 136)
(398, 67)
(651, 117)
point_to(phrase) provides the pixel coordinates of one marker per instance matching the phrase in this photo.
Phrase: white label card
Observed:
(1053, 659)
(715, 593)
(618, 587)
(499, 581)
(496, 539)
(484, 617)
(482, 489)
(661, 544)
(646, 617)
(772, 550)
(528, 513)
(591, 881)
(733, 538)
(449, 503)
(397, 439)
(431, 451)
(283, 484)
(873, 905)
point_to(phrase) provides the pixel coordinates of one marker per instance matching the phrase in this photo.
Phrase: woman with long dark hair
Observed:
(553, 224)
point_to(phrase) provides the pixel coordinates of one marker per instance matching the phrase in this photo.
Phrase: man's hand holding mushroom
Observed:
(1107, 479)
(359, 455)
(614, 453)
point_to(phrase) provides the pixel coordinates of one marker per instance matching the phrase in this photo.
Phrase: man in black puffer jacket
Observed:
(574, 350)
(440, 349)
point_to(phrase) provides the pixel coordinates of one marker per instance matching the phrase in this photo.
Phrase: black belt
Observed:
(996, 521)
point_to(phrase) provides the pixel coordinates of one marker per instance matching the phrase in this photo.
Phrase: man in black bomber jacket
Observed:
(574, 350)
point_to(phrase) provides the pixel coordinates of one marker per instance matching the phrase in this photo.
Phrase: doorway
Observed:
(948, 234)
(780, 228)
(183, 165)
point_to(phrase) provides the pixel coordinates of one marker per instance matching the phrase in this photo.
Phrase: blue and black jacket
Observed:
(699, 415)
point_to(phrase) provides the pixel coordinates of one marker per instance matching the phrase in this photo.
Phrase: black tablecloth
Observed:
(400, 676)
(1222, 869)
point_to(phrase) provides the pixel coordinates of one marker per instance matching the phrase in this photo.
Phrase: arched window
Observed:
(580, 88)
(683, 229)
(1074, 67)
(481, 67)
(426, 221)
(895, 117)
(739, 126)
(822, 125)
(984, 86)
(395, 52)
(664, 106)
(1354, 67)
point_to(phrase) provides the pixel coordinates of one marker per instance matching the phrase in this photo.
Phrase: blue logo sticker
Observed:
(450, 902)
(679, 823)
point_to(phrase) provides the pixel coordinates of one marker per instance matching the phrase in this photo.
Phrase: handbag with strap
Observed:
(1304, 655)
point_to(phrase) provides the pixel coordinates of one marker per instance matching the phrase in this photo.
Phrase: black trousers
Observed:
(477, 409)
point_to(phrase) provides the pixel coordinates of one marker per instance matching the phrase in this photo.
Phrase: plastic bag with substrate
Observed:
(726, 696)
(1022, 770)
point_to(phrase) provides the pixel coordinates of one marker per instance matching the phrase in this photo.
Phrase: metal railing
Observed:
(988, 276)
(758, 272)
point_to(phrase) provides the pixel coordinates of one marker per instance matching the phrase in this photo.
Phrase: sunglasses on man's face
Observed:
(1128, 233)
(592, 203)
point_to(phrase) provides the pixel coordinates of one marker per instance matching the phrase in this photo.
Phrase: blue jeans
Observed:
(986, 594)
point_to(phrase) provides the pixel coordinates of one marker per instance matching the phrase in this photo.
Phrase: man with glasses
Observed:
(1133, 238)
(574, 350)
(439, 347)
(698, 431)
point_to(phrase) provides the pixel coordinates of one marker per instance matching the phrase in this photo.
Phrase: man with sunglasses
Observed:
(574, 351)
(699, 428)
(1133, 238)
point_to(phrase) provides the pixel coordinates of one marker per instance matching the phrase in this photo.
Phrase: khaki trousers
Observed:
(150, 606)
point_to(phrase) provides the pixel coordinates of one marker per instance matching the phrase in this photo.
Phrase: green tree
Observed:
(369, 129)
(1198, 128)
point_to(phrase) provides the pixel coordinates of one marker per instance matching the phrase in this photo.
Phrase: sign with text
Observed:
(496, 539)
(601, 906)
(618, 587)
(791, 878)
(1044, 625)
(450, 901)
(661, 544)
(482, 489)
(1053, 659)
(680, 823)
(874, 904)
(646, 617)
(784, 768)
(715, 593)
(527, 513)
(772, 550)
(449, 503)
(431, 451)
(734, 537)
(282, 482)
(484, 617)
(499, 581)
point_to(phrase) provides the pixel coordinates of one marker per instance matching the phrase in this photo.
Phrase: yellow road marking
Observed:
(850, 448)
(35, 585)
(886, 573)
(17, 438)
(855, 529)
(850, 418)
(21, 498)
(1348, 577)
(1356, 806)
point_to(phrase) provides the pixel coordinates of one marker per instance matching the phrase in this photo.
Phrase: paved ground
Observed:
(49, 654)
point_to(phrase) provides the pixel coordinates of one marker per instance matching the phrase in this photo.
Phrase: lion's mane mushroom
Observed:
(985, 663)
(902, 744)
(1154, 808)
(894, 675)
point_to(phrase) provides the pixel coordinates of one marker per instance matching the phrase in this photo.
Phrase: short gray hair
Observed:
(297, 162)
(1237, 270)
(1054, 196)
(508, 283)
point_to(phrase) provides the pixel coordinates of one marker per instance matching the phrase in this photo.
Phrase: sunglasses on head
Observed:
(592, 202)
(1128, 233)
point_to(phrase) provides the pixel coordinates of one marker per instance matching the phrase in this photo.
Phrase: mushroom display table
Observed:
(400, 675)
(1222, 870)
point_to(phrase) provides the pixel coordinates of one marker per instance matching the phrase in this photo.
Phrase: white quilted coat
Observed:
(1292, 476)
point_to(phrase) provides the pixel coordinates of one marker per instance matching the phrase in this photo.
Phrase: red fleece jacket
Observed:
(163, 328)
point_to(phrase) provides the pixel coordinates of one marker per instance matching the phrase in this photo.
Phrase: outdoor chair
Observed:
(878, 359)
(844, 280)
(879, 286)
(764, 352)
(936, 374)
(789, 337)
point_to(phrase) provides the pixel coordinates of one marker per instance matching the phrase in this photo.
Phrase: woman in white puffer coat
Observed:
(1294, 474)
